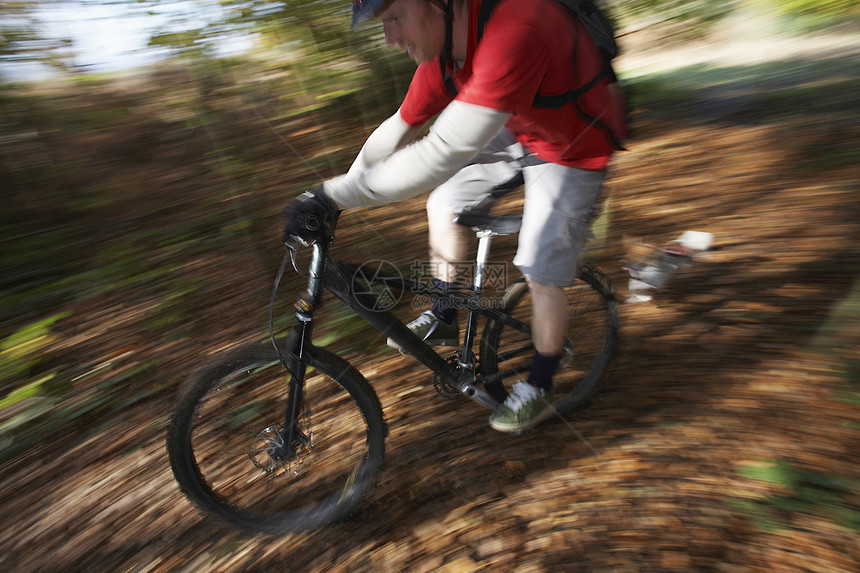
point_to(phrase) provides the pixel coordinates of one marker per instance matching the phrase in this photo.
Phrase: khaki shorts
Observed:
(558, 210)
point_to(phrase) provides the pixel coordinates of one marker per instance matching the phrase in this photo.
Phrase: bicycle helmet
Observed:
(364, 9)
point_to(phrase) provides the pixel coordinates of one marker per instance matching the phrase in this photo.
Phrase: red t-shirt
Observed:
(526, 49)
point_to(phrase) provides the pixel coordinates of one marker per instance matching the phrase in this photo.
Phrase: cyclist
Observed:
(487, 134)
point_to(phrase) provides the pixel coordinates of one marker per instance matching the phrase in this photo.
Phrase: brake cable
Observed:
(290, 254)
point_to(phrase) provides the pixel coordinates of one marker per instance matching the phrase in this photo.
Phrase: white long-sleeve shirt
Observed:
(394, 166)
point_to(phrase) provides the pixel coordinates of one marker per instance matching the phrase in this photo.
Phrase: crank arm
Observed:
(480, 396)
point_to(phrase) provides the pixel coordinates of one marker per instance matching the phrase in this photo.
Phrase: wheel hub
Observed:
(270, 452)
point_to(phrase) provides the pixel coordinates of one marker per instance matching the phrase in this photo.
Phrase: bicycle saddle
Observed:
(495, 224)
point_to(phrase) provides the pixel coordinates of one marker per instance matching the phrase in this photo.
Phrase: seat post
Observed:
(486, 227)
(467, 360)
(484, 239)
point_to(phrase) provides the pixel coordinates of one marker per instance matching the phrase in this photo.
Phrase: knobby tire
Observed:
(226, 443)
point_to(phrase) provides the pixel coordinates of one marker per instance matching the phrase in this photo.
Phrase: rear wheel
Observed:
(592, 337)
(235, 456)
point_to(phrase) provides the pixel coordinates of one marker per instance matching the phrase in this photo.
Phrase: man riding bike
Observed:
(482, 79)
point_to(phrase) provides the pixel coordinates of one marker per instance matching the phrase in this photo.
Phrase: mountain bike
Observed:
(289, 436)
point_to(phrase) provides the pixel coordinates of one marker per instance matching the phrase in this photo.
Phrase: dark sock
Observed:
(440, 308)
(542, 370)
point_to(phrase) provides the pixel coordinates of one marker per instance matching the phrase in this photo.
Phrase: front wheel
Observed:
(236, 455)
(592, 337)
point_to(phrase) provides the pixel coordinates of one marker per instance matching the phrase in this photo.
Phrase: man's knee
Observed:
(539, 288)
(439, 203)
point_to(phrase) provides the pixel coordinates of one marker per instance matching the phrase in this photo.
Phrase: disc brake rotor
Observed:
(269, 452)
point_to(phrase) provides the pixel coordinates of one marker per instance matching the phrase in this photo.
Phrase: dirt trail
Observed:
(739, 365)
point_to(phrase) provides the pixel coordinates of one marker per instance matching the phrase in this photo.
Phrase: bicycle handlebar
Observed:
(325, 227)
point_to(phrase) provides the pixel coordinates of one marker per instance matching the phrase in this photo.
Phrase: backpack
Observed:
(612, 121)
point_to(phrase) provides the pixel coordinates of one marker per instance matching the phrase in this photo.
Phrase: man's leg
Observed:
(558, 211)
(549, 330)
(450, 244)
(549, 318)
(472, 190)
(449, 249)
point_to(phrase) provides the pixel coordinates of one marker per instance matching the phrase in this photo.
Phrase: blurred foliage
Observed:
(800, 491)
(112, 189)
(20, 355)
(21, 39)
(781, 87)
(680, 18)
(314, 36)
(803, 16)
(310, 39)
(832, 8)
(28, 390)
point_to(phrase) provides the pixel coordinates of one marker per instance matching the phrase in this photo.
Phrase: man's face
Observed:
(416, 26)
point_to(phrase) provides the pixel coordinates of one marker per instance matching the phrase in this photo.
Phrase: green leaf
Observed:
(777, 472)
(24, 392)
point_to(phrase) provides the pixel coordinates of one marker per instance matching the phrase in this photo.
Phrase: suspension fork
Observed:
(300, 341)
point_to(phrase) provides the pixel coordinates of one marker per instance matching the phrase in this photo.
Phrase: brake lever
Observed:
(294, 242)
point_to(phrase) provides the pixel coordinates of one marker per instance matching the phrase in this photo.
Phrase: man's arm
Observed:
(391, 135)
(460, 132)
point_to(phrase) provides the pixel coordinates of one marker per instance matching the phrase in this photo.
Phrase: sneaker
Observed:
(432, 330)
(525, 407)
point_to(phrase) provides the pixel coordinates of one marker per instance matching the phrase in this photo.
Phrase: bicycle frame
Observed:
(326, 273)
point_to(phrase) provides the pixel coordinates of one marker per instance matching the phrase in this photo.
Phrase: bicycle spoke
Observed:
(229, 446)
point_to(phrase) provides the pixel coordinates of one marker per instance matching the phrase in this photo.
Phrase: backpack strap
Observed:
(446, 59)
(445, 62)
(572, 97)
(557, 101)
(446, 78)
(582, 11)
(487, 7)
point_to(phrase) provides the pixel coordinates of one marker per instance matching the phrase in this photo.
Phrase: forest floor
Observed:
(726, 439)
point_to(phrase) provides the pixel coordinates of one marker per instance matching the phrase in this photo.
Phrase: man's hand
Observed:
(310, 217)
